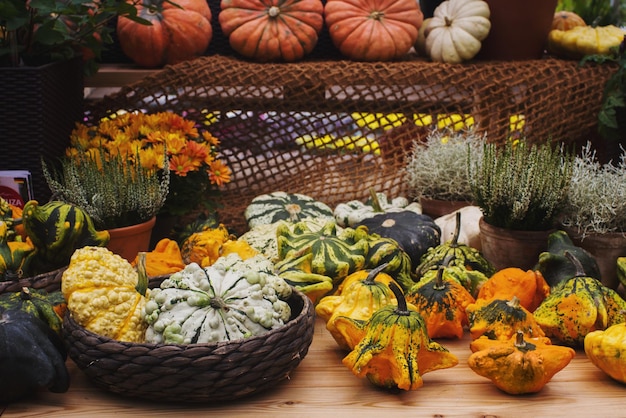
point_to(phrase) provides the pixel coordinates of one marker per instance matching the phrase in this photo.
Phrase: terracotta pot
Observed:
(436, 208)
(519, 29)
(605, 248)
(510, 248)
(130, 240)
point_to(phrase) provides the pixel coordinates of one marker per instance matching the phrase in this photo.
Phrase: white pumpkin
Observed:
(457, 29)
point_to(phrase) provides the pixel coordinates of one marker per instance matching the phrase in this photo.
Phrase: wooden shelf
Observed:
(117, 75)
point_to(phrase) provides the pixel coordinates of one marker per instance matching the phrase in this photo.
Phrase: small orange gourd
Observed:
(529, 286)
(441, 302)
(500, 319)
(520, 365)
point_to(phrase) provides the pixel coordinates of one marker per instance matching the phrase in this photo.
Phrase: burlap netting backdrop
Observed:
(270, 116)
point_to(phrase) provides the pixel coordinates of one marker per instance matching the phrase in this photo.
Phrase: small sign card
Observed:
(16, 187)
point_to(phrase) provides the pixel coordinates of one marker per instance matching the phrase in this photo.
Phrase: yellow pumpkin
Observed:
(457, 29)
(566, 20)
(584, 40)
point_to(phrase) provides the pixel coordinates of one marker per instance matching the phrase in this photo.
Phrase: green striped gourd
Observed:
(276, 206)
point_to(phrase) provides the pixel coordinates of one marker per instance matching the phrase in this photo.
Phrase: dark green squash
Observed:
(556, 267)
(414, 232)
(32, 356)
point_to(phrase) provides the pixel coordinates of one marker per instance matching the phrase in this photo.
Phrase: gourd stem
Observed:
(371, 276)
(439, 285)
(375, 201)
(402, 308)
(142, 274)
(580, 270)
(25, 293)
(514, 302)
(457, 230)
(521, 343)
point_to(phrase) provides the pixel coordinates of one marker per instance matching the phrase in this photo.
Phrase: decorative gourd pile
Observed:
(389, 314)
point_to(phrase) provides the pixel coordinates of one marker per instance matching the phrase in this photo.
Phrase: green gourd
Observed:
(579, 306)
(461, 255)
(277, 206)
(57, 229)
(13, 255)
(556, 267)
(351, 213)
(333, 255)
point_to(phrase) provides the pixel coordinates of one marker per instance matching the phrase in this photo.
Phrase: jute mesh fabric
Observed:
(333, 129)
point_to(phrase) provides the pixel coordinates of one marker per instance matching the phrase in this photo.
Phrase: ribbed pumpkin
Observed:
(179, 31)
(272, 30)
(377, 30)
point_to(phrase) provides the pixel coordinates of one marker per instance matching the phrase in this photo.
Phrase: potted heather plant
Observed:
(436, 170)
(521, 190)
(120, 197)
(594, 214)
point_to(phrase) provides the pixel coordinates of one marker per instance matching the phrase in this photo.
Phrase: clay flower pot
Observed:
(519, 29)
(130, 240)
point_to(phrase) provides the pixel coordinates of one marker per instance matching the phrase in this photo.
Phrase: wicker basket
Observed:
(50, 282)
(195, 372)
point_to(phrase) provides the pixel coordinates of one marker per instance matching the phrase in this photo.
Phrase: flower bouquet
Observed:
(196, 172)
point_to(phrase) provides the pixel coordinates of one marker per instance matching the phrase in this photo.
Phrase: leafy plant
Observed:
(437, 168)
(114, 193)
(612, 113)
(521, 186)
(38, 32)
(596, 199)
(597, 12)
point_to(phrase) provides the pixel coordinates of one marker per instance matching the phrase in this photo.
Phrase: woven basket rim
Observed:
(54, 275)
(304, 312)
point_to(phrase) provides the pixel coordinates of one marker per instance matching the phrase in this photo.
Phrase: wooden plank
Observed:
(322, 387)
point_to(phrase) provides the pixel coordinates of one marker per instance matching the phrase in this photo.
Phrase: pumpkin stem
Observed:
(273, 11)
(371, 276)
(521, 344)
(375, 201)
(402, 308)
(580, 270)
(142, 274)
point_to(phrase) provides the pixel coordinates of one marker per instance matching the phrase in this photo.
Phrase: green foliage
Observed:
(437, 168)
(521, 186)
(596, 200)
(597, 12)
(43, 31)
(114, 193)
(612, 115)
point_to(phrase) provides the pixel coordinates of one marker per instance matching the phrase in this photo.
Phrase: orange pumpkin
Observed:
(566, 20)
(178, 32)
(272, 30)
(375, 30)
(529, 286)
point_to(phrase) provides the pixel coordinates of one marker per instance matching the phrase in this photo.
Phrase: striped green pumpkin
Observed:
(278, 206)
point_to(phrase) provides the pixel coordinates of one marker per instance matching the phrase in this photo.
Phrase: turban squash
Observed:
(178, 31)
(272, 30)
(377, 30)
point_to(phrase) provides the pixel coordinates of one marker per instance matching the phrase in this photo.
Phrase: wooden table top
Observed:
(322, 387)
